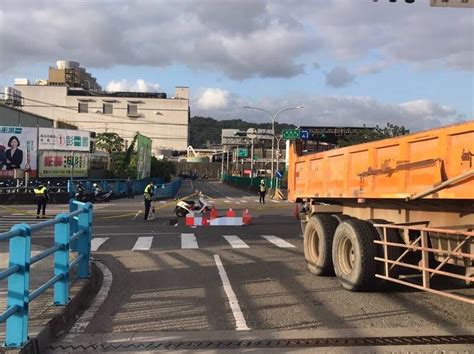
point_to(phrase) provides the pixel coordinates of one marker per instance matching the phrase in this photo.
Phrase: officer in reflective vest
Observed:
(148, 195)
(261, 191)
(41, 198)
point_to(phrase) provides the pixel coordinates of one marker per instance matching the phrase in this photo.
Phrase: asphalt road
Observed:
(168, 278)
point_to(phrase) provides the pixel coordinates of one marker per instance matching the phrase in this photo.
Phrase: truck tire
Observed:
(353, 252)
(393, 252)
(340, 217)
(318, 236)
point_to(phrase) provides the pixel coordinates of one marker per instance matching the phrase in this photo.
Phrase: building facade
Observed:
(164, 120)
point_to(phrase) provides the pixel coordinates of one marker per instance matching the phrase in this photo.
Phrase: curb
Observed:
(62, 323)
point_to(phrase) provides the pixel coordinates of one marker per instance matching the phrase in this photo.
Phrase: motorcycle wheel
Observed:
(180, 212)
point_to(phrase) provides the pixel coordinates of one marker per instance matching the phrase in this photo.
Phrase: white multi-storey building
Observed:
(164, 120)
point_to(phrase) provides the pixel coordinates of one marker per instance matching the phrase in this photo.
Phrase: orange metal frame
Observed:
(421, 244)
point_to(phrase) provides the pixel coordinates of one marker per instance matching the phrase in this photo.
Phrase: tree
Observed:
(372, 134)
(162, 168)
(110, 142)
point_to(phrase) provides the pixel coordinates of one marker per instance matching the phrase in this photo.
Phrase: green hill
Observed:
(207, 129)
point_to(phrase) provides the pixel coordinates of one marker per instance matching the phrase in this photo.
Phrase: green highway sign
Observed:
(243, 153)
(291, 134)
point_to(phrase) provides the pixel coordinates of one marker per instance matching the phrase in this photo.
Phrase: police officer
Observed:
(41, 198)
(262, 190)
(148, 194)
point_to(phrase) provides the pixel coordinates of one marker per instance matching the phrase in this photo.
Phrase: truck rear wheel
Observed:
(318, 236)
(353, 255)
(340, 217)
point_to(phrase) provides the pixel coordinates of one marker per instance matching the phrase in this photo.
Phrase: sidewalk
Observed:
(48, 321)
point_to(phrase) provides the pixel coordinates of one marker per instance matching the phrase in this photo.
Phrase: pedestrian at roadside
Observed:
(262, 190)
(129, 188)
(41, 198)
(148, 196)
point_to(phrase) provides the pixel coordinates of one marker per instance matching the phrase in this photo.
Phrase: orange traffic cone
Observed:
(190, 219)
(296, 213)
(213, 213)
(230, 213)
(246, 217)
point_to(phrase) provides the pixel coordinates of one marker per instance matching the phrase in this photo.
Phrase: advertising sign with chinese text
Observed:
(63, 139)
(63, 164)
(18, 149)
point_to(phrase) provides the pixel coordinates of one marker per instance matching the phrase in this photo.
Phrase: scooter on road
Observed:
(184, 207)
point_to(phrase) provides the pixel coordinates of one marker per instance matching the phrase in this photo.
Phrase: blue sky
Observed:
(348, 62)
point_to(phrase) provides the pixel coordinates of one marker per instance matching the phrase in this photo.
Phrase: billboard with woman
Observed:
(18, 149)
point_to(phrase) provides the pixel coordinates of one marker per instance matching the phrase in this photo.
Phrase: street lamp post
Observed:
(273, 117)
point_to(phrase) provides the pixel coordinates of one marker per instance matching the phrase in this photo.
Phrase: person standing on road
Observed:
(41, 198)
(129, 188)
(262, 190)
(148, 195)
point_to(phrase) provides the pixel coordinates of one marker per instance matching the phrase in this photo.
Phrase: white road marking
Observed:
(244, 201)
(256, 201)
(226, 201)
(188, 241)
(134, 233)
(83, 321)
(143, 244)
(240, 323)
(235, 241)
(97, 242)
(274, 201)
(278, 241)
(136, 215)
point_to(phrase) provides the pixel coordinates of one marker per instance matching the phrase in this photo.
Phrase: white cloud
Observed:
(239, 38)
(339, 111)
(213, 99)
(137, 86)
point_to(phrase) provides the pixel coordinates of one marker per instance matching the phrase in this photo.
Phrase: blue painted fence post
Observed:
(61, 260)
(84, 244)
(19, 287)
(73, 221)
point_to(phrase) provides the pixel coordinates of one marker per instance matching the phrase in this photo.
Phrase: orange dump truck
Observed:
(399, 209)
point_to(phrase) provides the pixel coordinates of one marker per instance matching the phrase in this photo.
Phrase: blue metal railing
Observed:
(119, 186)
(167, 190)
(73, 228)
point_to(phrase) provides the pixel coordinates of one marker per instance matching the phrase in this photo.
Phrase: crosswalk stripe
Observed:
(143, 244)
(278, 241)
(97, 242)
(188, 241)
(235, 241)
(274, 201)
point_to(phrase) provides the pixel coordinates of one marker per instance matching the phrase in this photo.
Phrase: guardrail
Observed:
(74, 228)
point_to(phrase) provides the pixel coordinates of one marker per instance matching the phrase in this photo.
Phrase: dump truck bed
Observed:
(432, 164)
